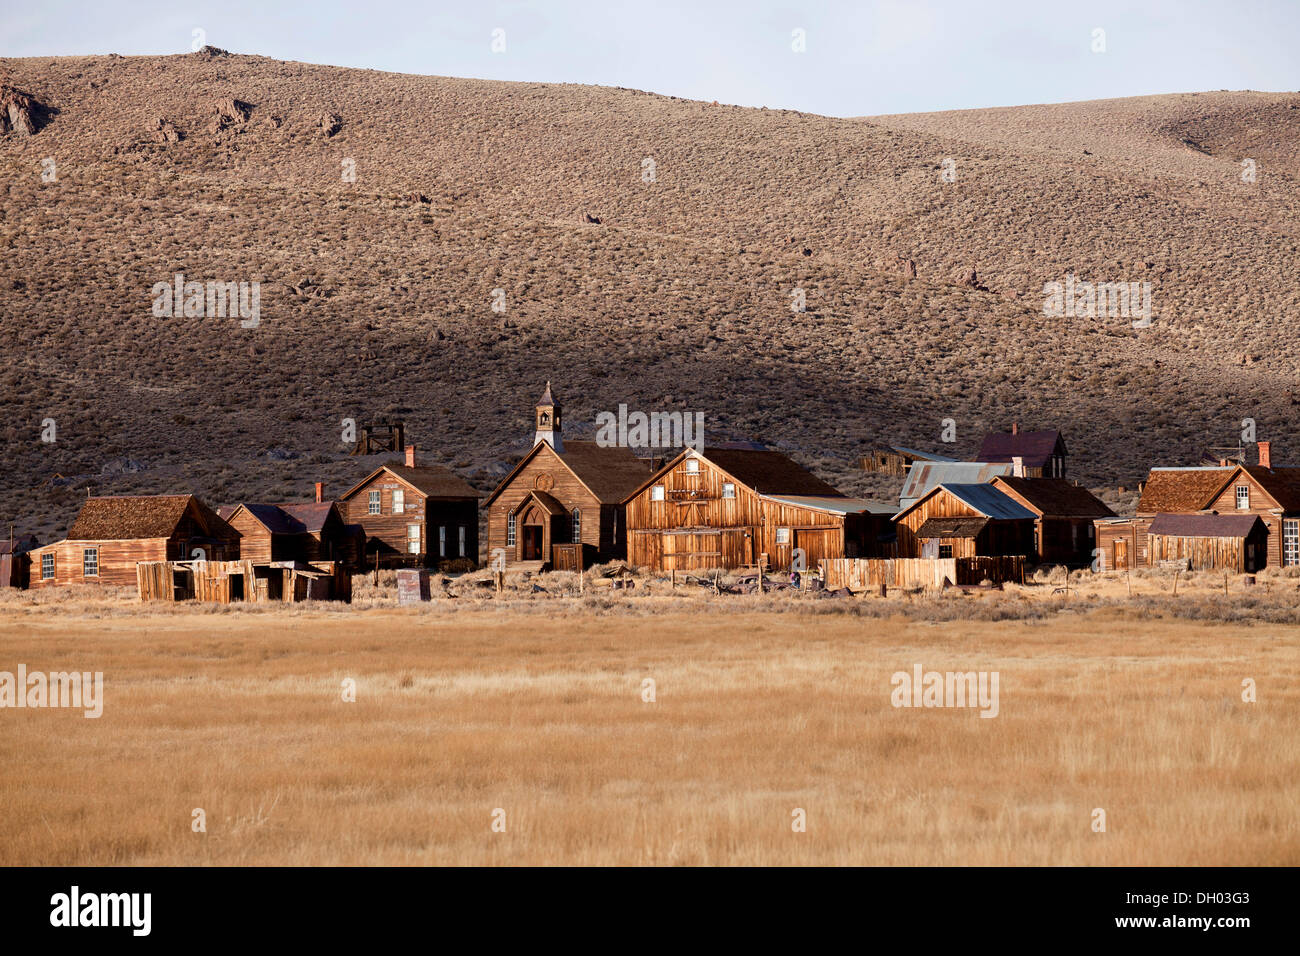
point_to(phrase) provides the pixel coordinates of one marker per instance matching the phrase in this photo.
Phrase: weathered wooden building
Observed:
(1065, 516)
(14, 560)
(562, 494)
(965, 521)
(302, 531)
(113, 534)
(1043, 453)
(729, 506)
(895, 461)
(1209, 542)
(414, 514)
(924, 476)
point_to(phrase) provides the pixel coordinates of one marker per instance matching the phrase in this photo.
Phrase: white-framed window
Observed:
(577, 526)
(692, 466)
(442, 540)
(657, 493)
(1243, 497)
(374, 503)
(1291, 541)
(782, 535)
(728, 489)
(463, 536)
(413, 539)
(47, 565)
(90, 562)
(510, 529)
(399, 501)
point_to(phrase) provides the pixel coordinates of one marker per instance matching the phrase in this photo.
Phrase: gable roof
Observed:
(432, 481)
(924, 477)
(21, 543)
(609, 472)
(989, 501)
(1183, 489)
(118, 517)
(834, 504)
(1055, 496)
(951, 527)
(1034, 447)
(768, 472)
(1204, 526)
(1282, 483)
(550, 504)
(309, 516)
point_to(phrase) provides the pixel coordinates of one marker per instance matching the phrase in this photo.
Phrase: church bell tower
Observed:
(548, 421)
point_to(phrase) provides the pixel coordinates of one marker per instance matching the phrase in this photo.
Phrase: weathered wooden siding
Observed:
(1262, 504)
(117, 561)
(942, 505)
(1207, 554)
(389, 530)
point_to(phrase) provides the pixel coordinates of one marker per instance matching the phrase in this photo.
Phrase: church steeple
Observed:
(548, 421)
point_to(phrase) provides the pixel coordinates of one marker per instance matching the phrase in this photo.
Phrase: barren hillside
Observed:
(376, 295)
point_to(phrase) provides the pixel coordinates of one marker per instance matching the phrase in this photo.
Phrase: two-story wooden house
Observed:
(414, 514)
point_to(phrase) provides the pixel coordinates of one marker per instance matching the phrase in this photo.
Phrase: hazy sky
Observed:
(875, 56)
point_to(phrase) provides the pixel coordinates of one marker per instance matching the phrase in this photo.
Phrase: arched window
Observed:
(510, 528)
(577, 526)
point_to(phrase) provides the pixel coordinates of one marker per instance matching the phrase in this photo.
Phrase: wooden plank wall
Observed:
(597, 531)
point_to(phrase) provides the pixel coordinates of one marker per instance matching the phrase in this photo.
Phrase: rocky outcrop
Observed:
(229, 112)
(164, 131)
(330, 123)
(19, 113)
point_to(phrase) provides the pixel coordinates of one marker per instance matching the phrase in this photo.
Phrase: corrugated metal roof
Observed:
(989, 501)
(924, 477)
(835, 505)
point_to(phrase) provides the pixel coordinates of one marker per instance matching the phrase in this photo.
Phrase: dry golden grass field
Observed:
(459, 712)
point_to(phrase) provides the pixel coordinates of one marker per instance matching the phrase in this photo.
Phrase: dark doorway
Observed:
(532, 543)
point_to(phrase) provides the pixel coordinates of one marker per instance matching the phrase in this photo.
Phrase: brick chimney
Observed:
(1015, 428)
(1265, 454)
(1017, 466)
(410, 456)
(320, 491)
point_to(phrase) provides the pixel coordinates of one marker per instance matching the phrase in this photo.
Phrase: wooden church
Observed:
(562, 507)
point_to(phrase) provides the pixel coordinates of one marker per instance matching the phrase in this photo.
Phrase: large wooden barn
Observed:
(1065, 516)
(562, 505)
(730, 506)
(113, 534)
(411, 513)
(965, 521)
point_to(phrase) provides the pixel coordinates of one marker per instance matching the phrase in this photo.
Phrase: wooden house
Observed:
(924, 476)
(1209, 542)
(562, 504)
(1043, 453)
(113, 534)
(414, 514)
(1065, 517)
(1271, 492)
(729, 506)
(305, 531)
(965, 521)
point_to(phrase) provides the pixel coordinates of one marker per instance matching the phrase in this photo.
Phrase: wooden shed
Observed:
(965, 521)
(226, 582)
(113, 534)
(729, 506)
(15, 560)
(306, 531)
(1210, 542)
(414, 514)
(892, 460)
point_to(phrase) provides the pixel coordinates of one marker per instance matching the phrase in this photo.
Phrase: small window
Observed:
(510, 529)
(945, 551)
(413, 539)
(47, 566)
(657, 493)
(782, 535)
(1290, 542)
(374, 503)
(90, 562)
(692, 466)
(463, 535)
(577, 526)
(728, 489)
(442, 541)
(1243, 497)
(399, 501)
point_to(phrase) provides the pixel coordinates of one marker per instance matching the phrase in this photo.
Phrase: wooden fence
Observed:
(566, 557)
(221, 582)
(870, 574)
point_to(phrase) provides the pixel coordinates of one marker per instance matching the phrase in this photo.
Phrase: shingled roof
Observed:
(951, 527)
(612, 473)
(769, 472)
(1204, 526)
(1034, 447)
(121, 517)
(432, 481)
(1182, 489)
(1282, 482)
(1056, 497)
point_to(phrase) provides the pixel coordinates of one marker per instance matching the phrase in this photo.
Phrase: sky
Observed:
(857, 59)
